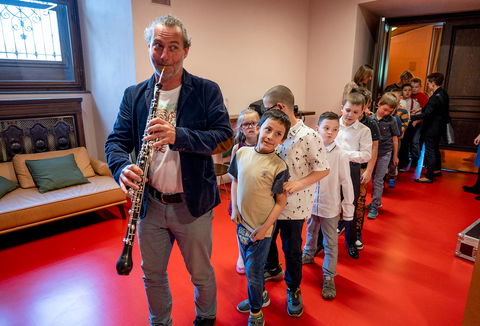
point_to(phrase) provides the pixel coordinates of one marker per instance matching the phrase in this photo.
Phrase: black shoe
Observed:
(274, 274)
(472, 190)
(437, 173)
(199, 321)
(353, 252)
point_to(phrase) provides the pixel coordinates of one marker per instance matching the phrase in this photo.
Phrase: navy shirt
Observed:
(388, 128)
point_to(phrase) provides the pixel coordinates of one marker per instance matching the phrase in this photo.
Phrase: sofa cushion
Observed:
(25, 178)
(28, 206)
(55, 173)
(6, 186)
(7, 171)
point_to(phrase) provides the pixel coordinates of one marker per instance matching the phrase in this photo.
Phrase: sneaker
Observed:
(373, 213)
(256, 319)
(341, 227)
(244, 306)
(328, 289)
(307, 259)
(294, 303)
(274, 275)
(391, 183)
(369, 206)
(359, 242)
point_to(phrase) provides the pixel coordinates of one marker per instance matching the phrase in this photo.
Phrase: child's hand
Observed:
(395, 161)
(366, 177)
(235, 215)
(258, 234)
(477, 140)
(291, 187)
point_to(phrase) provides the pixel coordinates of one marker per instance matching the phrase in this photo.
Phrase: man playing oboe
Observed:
(181, 191)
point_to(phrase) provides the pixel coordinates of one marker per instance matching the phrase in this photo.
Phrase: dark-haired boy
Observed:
(258, 175)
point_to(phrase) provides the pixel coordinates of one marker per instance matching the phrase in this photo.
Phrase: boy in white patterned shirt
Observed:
(305, 157)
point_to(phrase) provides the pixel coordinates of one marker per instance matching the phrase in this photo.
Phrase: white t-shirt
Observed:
(165, 174)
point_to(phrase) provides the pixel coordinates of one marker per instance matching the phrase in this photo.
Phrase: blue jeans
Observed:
(157, 231)
(254, 255)
(380, 170)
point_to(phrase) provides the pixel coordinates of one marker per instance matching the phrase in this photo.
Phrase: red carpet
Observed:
(63, 273)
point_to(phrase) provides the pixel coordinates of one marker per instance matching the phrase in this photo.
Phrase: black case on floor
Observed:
(467, 243)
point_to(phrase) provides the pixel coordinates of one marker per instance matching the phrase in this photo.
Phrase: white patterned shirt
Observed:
(304, 153)
(356, 141)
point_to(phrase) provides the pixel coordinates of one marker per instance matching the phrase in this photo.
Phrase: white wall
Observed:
(339, 41)
(107, 38)
(245, 46)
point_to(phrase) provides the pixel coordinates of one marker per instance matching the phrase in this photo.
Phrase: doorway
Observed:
(445, 43)
(414, 48)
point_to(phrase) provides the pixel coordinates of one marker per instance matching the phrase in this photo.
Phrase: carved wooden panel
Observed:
(39, 125)
(39, 137)
(13, 140)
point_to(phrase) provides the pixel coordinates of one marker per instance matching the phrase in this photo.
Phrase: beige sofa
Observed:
(26, 206)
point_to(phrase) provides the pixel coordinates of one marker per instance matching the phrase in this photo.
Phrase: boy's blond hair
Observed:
(389, 99)
(354, 98)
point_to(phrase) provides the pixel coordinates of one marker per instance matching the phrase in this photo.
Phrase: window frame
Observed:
(48, 67)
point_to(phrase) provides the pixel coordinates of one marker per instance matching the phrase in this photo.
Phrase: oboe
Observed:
(125, 262)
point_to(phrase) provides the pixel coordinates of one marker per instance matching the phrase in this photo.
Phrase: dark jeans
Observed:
(291, 236)
(433, 160)
(254, 255)
(405, 149)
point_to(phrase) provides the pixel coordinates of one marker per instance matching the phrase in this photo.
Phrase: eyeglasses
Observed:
(266, 109)
(250, 124)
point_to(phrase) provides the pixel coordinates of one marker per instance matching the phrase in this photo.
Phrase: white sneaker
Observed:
(359, 244)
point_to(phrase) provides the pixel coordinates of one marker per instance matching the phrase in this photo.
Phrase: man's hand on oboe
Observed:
(162, 131)
(131, 174)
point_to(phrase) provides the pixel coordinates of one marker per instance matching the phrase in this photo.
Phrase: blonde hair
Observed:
(239, 136)
(355, 98)
(363, 72)
(388, 99)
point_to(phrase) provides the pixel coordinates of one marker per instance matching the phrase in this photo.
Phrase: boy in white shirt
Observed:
(328, 203)
(356, 140)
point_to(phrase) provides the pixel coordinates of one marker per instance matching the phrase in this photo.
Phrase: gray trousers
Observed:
(157, 231)
(381, 169)
(330, 241)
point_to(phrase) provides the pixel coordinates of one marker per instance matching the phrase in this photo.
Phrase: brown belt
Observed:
(165, 198)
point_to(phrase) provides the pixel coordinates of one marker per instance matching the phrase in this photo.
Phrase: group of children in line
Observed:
(285, 173)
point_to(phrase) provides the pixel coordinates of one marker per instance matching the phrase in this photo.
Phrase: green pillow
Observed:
(55, 173)
(6, 186)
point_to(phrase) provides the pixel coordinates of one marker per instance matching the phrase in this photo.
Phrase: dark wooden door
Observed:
(459, 60)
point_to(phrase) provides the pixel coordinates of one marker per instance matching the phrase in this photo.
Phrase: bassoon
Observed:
(125, 262)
